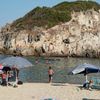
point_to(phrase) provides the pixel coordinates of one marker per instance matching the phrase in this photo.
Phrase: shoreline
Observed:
(51, 56)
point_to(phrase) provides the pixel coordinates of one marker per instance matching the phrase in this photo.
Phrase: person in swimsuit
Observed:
(50, 73)
(4, 77)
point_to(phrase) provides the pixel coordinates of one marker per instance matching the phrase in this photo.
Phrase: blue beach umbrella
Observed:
(85, 69)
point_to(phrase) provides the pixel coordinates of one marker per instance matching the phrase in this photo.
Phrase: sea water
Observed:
(61, 66)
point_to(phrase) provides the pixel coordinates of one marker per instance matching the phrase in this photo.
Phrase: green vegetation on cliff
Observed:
(48, 17)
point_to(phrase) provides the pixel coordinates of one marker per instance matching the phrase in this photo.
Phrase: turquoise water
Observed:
(61, 66)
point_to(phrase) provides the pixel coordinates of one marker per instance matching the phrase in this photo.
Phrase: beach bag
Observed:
(19, 82)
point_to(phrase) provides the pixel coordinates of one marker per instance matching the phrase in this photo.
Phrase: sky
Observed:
(11, 10)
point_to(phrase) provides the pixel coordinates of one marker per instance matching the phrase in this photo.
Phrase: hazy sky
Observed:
(10, 10)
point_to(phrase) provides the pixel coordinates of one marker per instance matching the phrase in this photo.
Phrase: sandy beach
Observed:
(41, 91)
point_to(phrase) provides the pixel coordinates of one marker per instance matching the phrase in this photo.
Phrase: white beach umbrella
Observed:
(19, 62)
(16, 63)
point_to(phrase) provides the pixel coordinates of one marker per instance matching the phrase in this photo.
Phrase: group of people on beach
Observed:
(9, 75)
(6, 77)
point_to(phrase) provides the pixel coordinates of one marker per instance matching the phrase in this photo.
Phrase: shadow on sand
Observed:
(89, 99)
(58, 84)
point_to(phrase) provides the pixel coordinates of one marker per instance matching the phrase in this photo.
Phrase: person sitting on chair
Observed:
(88, 85)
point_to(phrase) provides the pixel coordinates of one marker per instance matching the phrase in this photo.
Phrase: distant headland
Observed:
(67, 29)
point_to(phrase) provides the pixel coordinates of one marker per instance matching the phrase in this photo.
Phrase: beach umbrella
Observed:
(15, 63)
(85, 69)
(6, 68)
(19, 62)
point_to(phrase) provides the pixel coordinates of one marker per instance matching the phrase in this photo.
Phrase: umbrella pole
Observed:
(7, 78)
(16, 77)
(86, 78)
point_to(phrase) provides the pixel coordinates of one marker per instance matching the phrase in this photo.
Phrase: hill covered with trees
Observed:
(47, 17)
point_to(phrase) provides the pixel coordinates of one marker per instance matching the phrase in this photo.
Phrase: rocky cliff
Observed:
(78, 37)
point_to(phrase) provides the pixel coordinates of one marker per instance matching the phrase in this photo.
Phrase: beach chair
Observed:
(96, 83)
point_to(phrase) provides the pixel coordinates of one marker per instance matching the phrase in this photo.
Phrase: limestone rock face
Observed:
(78, 37)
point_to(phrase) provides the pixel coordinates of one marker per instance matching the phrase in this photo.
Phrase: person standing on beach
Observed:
(50, 73)
(4, 79)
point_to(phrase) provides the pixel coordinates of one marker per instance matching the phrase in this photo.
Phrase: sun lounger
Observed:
(96, 83)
